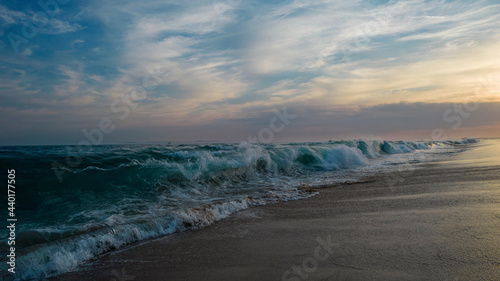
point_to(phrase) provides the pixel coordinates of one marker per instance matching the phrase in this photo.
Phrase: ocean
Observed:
(74, 204)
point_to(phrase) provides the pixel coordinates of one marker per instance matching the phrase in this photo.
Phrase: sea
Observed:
(73, 203)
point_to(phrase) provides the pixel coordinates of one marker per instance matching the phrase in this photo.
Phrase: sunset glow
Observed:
(217, 70)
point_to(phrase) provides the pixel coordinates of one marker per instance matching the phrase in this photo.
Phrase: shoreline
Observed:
(429, 226)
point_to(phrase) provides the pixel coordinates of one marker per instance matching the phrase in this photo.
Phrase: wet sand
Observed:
(438, 222)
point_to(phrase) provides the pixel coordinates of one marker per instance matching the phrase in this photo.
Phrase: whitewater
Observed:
(117, 195)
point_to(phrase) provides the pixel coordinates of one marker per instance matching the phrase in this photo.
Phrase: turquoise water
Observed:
(75, 203)
(483, 154)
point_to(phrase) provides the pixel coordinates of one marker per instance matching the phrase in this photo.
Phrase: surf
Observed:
(122, 194)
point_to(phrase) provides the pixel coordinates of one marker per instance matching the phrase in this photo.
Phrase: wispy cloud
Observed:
(44, 24)
(232, 60)
(9, 16)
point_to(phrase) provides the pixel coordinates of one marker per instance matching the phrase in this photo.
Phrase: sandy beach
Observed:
(261, 140)
(440, 221)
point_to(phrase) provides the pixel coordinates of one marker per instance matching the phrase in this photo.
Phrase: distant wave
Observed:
(122, 194)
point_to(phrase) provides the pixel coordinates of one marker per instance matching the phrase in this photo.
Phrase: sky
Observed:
(262, 71)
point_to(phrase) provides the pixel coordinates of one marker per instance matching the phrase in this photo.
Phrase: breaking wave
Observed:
(112, 196)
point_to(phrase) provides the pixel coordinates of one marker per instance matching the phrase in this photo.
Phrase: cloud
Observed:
(296, 38)
(176, 43)
(43, 24)
(199, 20)
(474, 20)
(400, 120)
(310, 36)
(232, 62)
(9, 16)
(28, 51)
(56, 26)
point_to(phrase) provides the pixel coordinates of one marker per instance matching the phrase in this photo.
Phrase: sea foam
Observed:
(119, 195)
